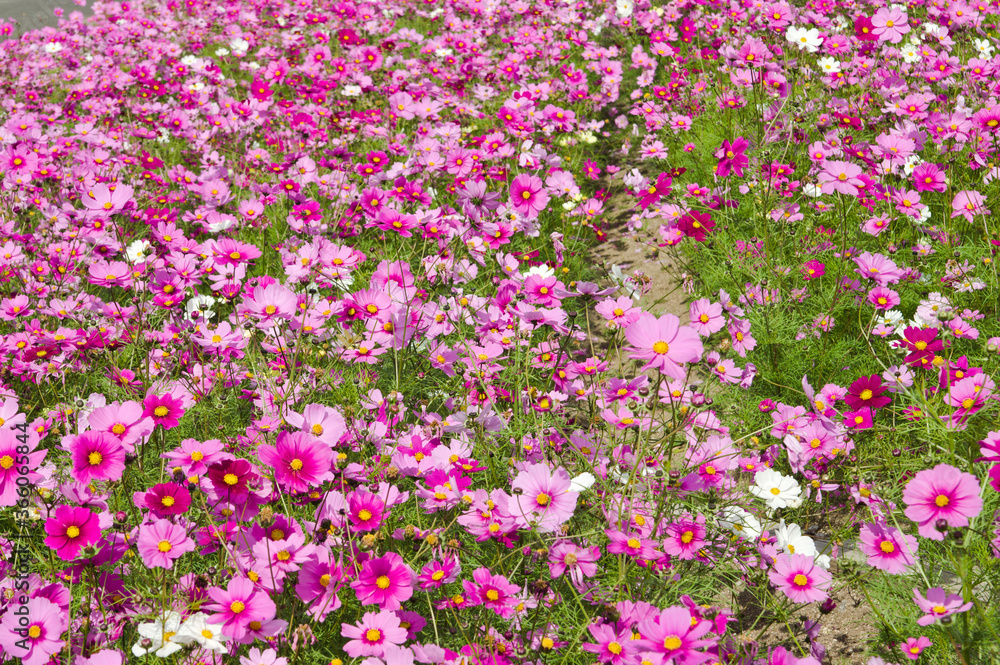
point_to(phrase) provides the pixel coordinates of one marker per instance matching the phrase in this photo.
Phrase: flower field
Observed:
(309, 357)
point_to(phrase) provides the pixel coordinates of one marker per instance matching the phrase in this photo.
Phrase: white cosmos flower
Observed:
(807, 39)
(790, 539)
(777, 490)
(581, 482)
(740, 522)
(198, 630)
(828, 65)
(624, 8)
(161, 634)
(138, 251)
(351, 90)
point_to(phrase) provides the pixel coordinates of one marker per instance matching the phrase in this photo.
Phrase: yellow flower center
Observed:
(941, 501)
(672, 642)
(373, 635)
(383, 582)
(887, 547)
(296, 464)
(230, 479)
(73, 531)
(161, 411)
(800, 580)
(118, 429)
(167, 501)
(543, 499)
(661, 348)
(95, 458)
(6, 462)
(35, 632)
(493, 595)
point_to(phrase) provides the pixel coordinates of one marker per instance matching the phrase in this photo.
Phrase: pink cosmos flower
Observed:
(883, 298)
(33, 642)
(70, 529)
(194, 457)
(887, 548)
(580, 561)
(676, 636)
(436, 574)
(614, 647)
(968, 204)
(542, 497)
(372, 634)
(528, 196)
(914, 646)
(732, 158)
(95, 456)
(299, 461)
(318, 581)
(124, 421)
(706, 317)
(799, 578)
(621, 311)
(269, 305)
(238, 606)
(937, 604)
(685, 538)
(839, 176)
(664, 343)
(365, 510)
(161, 542)
(889, 25)
(631, 545)
(386, 581)
(941, 493)
(492, 591)
(102, 200)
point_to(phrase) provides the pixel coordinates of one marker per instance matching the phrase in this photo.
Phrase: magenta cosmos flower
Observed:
(373, 634)
(937, 604)
(492, 591)
(95, 456)
(299, 461)
(542, 497)
(867, 391)
(887, 548)
(161, 542)
(239, 605)
(941, 493)
(528, 196)
(386, 581)
(71, 529)
(164, 499)
(165, 410)
(732, 157)
(799, 578)
(35, 642)
(676, 635)
(664, 343)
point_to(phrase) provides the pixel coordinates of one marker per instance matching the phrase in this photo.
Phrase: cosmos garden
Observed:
(308, 357)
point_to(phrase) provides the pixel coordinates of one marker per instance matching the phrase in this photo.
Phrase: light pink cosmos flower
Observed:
(890, 25)
(543, 498)
(528, 196)
(937, 604)
(33, 642)
(706, 317)
(839, 176)
(160, 542)
(799, 578)
(942, 493)
(664, 343)
(101, 200)
(373, 634)
(968, 204)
